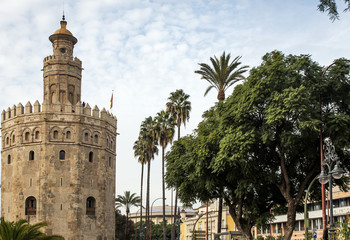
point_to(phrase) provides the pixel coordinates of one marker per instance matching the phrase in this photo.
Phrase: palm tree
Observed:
(23, 230)
(127, 200)
(179, 107)
(165, 133)
(140, 151)
(223, 74)
(148, 137)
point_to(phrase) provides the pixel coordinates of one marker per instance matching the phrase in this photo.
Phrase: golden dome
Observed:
(63, 29)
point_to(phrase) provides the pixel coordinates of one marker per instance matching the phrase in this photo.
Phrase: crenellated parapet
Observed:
(54, 59)
(83, 110)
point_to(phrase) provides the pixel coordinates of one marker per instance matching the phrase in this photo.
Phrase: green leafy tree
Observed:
(330, 6)
(179, 107)
(22, 230)
(127, 201)
(120, 225)
(165, 128)
(260, 148)
(223, 74)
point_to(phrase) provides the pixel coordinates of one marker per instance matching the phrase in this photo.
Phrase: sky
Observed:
(146, 49)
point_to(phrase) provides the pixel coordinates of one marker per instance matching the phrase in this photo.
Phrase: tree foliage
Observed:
(120, 226)
(22, 230)
(330, 6)
(260, 147)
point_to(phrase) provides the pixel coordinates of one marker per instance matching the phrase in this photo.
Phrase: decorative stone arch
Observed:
(55, 134)
(27, 135)
(90, 206)
(30, 206)
(68, 134)
(87, 136)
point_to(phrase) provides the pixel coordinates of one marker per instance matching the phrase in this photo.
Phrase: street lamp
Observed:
(150, 232)
(330, 160)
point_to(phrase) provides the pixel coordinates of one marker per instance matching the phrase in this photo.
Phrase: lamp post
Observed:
(150, 231)
(333, 171)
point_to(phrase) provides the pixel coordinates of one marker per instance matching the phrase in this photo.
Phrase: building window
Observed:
(62, 155)
(37, 135)
(55, 134)
(68, 135)
(26, 136)
(9, 159)
(90, 206)
(86, 137)
(30, 206)
(96, 138)
(91, 156)
(31, 155)
(13, 139)
(7, 140)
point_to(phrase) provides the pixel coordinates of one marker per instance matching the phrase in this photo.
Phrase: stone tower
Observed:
(58, 158)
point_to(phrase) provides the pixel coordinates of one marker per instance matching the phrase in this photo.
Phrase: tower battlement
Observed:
(75, 61)
(89, 114)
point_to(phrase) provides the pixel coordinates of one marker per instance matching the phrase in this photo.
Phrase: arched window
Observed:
(7, 140)
(68, 135)
(86, 137)
(96, 138)
(9, 159)
(91, 156)
(62, 155)
(26, 136)
(13, 139)
(37, 135)
(31, 155)
(90, 206)
(30, 206)
(55, 134)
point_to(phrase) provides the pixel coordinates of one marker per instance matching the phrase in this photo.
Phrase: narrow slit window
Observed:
(37, 135)
(68, 135)
(61, 182)
(7, 140)
(62, 155)
(9, 159)
(13, 139)
(26, 136)
(96, 138)
(86, 137)
(55, 134)
(31, 155)
(91, 156)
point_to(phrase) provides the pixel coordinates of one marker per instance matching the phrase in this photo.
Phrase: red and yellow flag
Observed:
(112, 101)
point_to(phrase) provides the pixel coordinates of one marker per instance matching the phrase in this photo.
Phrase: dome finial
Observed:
(63, 17)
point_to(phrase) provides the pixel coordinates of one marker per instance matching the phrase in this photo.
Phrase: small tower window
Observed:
(30, 206)
(96, 138)
(91, 156)
(13, 139)
(55, 134)
(7, 140)
(31, 155)
(26, 136)
(37, 136)
(90, 206)
(86, 137)
(68, 135)
(9, 159)
(62, 155)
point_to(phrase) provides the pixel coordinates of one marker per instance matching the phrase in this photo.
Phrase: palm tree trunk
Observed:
(147, 200)
(176, 192)
(163, 183)
(127, 220)
(141, 199)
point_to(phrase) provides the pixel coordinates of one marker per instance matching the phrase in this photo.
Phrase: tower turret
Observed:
(62, 72)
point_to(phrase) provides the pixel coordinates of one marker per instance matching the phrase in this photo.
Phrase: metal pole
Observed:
(331, 223)
(306, 217)
(150, 232)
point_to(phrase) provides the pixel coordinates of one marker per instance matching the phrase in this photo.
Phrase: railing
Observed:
(30, 211)
(90, 211)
